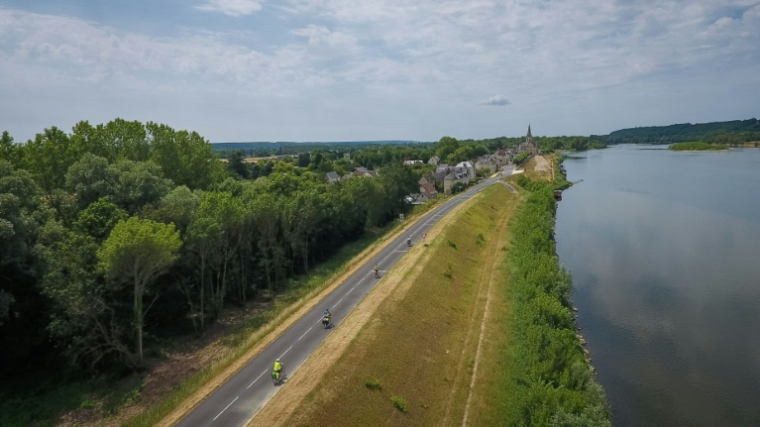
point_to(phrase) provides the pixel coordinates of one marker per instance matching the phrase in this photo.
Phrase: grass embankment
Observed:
(696, 146)
(545, 377)
(412, 362)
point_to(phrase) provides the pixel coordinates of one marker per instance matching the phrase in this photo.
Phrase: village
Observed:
(450, 179)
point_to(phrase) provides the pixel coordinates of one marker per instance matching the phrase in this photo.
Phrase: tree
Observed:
(446, 147)
(8, 150)
(177, 207)
(90, 178)
(98, 219)
(48, 157)
(139, 183)
(236, 165)
(265, 211)
(141, 250)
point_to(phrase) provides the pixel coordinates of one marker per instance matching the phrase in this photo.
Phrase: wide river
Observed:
(664, 250)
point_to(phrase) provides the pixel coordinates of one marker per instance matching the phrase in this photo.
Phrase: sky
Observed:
(348, 70)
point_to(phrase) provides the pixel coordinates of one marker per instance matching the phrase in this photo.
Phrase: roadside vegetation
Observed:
(696, 146)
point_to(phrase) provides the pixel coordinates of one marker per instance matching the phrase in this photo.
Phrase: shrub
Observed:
(373, 384)
(399, 403)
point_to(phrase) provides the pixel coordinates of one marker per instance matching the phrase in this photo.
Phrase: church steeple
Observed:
(529, 135)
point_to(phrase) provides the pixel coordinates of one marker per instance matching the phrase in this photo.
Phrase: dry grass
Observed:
(421, 341)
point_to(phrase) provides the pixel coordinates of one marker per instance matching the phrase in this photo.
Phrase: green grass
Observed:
(696, 146)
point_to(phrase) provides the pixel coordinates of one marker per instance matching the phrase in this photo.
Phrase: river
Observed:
(664, 250)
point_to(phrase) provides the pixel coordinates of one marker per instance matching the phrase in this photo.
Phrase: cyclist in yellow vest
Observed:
(277, 368)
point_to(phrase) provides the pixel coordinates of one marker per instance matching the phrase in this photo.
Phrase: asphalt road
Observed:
(235, 402)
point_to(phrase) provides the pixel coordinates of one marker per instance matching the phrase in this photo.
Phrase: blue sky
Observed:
(338, 70)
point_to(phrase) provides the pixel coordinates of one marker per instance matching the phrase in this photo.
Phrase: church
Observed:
(529, 145)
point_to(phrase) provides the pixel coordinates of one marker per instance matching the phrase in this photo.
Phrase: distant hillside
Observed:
(263, 149)
(748, 130)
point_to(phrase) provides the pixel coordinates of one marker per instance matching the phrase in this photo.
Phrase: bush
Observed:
(399, 403)
(373, 384)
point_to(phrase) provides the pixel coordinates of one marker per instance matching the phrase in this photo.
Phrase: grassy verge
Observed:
(297, 293)
(545, 378)
(412, 362)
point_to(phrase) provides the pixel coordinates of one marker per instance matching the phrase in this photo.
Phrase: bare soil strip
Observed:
(329, 386)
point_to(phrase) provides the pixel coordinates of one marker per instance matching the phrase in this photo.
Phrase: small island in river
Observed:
(696, 146)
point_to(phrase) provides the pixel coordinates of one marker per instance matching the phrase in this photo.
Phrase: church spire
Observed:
(529, 135)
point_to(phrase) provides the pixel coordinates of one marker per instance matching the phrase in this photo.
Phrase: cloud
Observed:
(415, 58)
(232, 7)
(496, 100)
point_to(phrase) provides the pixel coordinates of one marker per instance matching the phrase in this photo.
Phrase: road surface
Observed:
(235, 402)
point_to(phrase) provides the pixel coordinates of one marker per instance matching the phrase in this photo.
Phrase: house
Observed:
(411, 162)
(364, 172)
(428, 190)
(488, 163)
(332, 177)
(451, 179)
(468, 167)
(434, 160)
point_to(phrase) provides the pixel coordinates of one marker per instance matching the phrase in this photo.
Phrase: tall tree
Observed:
(140, 250)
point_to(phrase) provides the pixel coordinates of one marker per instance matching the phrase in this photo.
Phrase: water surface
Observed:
(664, 249)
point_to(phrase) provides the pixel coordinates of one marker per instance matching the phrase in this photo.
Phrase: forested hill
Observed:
(735, 131)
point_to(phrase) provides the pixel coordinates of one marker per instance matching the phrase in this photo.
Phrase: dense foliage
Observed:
(696, 146)
(115, 236)
(731, 132)
(548, 378)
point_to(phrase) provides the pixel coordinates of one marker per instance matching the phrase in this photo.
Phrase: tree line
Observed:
(729, 132)
(115, 235)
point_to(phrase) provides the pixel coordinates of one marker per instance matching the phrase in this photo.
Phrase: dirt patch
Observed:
(397, 282)
(542, 165)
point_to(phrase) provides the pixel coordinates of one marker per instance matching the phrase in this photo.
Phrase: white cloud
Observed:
(497, 100)
(422, 57)
(232, 7)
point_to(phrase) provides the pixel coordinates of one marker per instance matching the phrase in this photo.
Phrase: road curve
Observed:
(236, 401)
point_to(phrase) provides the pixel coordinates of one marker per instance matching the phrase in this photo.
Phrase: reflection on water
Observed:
(664, 249)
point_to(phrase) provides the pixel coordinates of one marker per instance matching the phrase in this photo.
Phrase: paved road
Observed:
(237, 401)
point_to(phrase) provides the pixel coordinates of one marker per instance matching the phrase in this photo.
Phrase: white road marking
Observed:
(225, 409)
(336, 304)
(286, 352)
(304, 334)
(257, 378)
